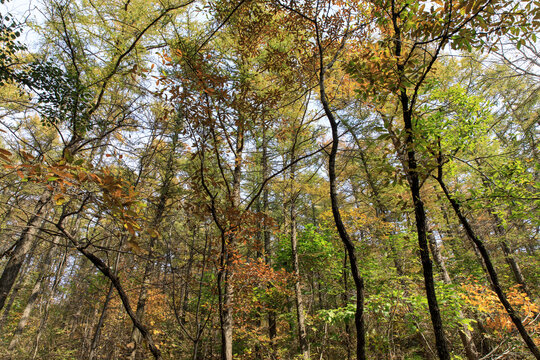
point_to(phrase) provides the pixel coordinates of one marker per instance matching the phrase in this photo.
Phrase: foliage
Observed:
(165, 152)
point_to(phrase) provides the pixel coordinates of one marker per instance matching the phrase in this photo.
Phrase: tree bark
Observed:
(22, 246)
(302, 333)
(268, 253)
(412, 172)
(36, 291)
(343, 234)
(509, 256)
(489, 265)
(60, 266)
(421, 229)
(225, 286)
(19, 284)
(106, 270)
(464, 334)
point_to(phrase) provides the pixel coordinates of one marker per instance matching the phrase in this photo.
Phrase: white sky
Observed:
(23, 11)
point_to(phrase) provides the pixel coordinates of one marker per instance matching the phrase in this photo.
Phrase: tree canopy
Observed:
(252, 179)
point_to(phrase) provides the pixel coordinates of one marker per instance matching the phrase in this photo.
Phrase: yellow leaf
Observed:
(59, 199)
(134, 246)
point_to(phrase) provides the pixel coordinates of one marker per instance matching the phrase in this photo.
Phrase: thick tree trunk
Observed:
(19, 284)
(22, 246)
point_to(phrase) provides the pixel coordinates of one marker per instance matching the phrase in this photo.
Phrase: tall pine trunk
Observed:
(302, 333)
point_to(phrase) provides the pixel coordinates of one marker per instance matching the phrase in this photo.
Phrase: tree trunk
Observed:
(136, 336)
(412, 173)
(509, 256)
(268, 253)
(36, 291)
(411, 170)
(164, 192)
(489, 266)
(464, 334)
(343, 234)
(225, 286)
(302, 334)
(61, 265)
(345, 299)
(97, 332)
(106, 270)
(16, 289)
(22, 246)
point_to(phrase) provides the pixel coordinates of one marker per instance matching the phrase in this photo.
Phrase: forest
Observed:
(269, 179)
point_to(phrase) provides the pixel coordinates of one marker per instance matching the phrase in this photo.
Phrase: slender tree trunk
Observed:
(61, 265)
(302, 333)
(345, 299)
(268, 253)
(509, 256)
(97, 332)
(106, 270)
(464, 333)
(489, 265)
(412, 172)
(226, 310)
(421, 229)
(136, 335)
(156, 221)
(343, 234)
(224, 274)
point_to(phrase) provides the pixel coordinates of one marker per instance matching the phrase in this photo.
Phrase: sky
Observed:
(23, 11)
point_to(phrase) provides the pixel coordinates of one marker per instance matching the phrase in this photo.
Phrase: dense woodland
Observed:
(270, 179)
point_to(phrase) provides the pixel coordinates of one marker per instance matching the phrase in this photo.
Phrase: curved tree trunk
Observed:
(97, 332)
(489, 265)
(343, 234)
